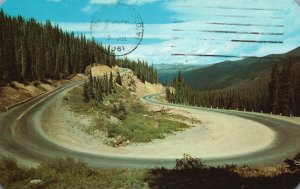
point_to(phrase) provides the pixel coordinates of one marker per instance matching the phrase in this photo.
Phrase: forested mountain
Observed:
(167, 72)
(34, 51)
(279, 95)
(235, 73)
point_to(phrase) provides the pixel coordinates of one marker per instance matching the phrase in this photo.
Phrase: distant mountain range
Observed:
(166, 72)
(229, 73)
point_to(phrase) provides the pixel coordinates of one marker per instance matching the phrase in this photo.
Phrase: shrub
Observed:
(293, 164)
(188, 162)
(121, 115)
(11, 172)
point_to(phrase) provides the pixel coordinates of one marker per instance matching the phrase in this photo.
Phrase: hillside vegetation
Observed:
(188, 173)
(34, 55)
(113, 103)
(280, 94)
(39, 51)
(230, 74)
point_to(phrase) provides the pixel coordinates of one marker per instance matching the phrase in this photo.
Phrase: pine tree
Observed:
(86, 94)
(168, 93)
(111, 83)
(284, 90)
(297, 96)
(292, 86)
(119, 79)
(274, 89)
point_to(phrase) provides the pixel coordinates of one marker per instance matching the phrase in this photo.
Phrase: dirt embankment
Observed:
(16, 92)
(129, 80)
(100, 70)
(136, 86)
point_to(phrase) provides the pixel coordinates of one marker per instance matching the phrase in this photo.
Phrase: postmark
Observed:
(118, 27)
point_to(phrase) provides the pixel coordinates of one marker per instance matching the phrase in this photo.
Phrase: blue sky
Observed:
(238, 28)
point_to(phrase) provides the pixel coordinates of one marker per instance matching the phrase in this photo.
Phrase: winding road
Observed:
(21, 137)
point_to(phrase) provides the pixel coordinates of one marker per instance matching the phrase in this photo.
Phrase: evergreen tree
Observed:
(297, 96)
(168, 93)
(284, 89)
(111, 83)
(274, 89)
(119, 79)
(292, 86)
(86, 94)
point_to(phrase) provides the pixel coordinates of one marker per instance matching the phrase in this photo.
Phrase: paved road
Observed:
(286, 144)
(21, 137)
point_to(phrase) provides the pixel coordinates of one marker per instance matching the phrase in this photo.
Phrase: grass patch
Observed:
(67, 173)
(188, 173)
(123, 118)
(140, 128)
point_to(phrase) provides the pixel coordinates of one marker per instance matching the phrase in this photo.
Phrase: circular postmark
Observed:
(119, 28)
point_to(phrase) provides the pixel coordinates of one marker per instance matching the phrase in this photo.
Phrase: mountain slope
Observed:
(236, 73)
(167, 72)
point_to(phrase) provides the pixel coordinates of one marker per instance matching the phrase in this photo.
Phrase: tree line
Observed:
(284, 90)
(141, 69)
(281, 95)
(99, 87)
(37, 51)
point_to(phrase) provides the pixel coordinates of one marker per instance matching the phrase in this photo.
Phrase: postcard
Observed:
(150, 94)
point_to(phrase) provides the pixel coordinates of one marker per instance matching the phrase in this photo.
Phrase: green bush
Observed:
(188, 162)
(11, 172)
(293, 164)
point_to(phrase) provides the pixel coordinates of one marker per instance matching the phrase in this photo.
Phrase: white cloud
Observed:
(91, 7)
(129, 2)
(138, 2)
(2, 1)
(193, 39)
(103, 1)
(54, 1)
